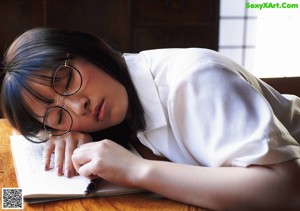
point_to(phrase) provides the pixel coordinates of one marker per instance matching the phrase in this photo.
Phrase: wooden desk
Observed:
(140, 201)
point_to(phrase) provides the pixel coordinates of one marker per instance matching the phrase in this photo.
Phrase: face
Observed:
(101, 102)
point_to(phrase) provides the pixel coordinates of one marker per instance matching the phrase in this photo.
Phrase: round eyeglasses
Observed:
(66, 81)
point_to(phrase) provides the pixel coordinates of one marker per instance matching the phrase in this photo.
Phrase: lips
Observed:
(99, 111)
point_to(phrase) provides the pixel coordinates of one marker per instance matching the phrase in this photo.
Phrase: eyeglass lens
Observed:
(66, 81)
(58, 118)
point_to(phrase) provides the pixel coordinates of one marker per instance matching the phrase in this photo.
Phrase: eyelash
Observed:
(60, 116)
(69, 80)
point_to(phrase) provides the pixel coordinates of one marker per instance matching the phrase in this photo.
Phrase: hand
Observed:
(108, 160)
(63, 147)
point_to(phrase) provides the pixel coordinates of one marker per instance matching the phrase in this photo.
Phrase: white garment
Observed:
(204, 109)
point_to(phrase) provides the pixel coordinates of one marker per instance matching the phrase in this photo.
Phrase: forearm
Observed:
(216, 188)
(275, 187)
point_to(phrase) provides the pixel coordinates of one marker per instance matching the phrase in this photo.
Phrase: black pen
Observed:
(92, 186)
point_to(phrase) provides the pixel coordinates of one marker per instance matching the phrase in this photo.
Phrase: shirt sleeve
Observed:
(219, 119)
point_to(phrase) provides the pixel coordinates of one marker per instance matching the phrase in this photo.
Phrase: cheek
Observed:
(90, 126)
(86, 126)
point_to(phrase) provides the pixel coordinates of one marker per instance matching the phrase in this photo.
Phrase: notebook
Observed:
(39, 185)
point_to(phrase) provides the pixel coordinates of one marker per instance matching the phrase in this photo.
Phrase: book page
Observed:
(38, 183)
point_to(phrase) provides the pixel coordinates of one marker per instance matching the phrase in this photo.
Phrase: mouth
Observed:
(99, 111)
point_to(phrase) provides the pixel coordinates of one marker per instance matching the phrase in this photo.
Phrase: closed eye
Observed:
(70, 77)
(60, 116)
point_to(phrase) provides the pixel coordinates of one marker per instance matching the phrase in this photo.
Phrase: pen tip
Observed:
(86, 193)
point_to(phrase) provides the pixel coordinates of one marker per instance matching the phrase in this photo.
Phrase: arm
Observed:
(213, 188)
(229, 188)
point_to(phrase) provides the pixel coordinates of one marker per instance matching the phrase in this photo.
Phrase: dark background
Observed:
(127, 25)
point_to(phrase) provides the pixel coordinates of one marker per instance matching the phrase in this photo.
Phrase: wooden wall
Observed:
(127, 25)
(289, 85)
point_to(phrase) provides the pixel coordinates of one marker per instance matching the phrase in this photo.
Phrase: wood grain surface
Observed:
(129, 202)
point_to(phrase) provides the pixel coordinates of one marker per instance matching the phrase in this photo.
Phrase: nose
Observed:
(76, 104)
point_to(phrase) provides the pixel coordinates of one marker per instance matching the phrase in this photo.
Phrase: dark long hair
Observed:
(43, 49)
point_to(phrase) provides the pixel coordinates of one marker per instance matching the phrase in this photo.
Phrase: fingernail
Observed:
(69, 173)
(59, 171)
(46, 167)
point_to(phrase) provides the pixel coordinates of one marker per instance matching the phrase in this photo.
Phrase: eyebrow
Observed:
(39, 101)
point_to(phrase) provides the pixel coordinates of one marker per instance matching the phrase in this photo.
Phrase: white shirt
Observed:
(203, 109)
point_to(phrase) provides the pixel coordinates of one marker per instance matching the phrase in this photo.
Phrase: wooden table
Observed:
(140, 201)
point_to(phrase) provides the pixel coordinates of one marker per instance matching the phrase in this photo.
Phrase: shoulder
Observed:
(182, 55)
(181, 63)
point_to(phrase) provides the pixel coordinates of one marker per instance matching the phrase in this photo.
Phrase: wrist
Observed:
(140, 173)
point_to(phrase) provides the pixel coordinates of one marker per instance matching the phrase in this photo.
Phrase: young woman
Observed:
(233, 141)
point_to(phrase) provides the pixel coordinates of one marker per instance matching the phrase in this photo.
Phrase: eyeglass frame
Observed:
(59, 95)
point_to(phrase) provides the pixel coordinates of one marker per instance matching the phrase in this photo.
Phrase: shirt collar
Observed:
(142, 78)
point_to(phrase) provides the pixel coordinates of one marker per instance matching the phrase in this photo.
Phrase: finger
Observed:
(84, 139)
(77, 159)
(48, 150)
(59, 157)
(69, 168)
(88, 170)
(81, 156)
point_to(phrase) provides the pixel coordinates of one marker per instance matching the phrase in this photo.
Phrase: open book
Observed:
(39, 185)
